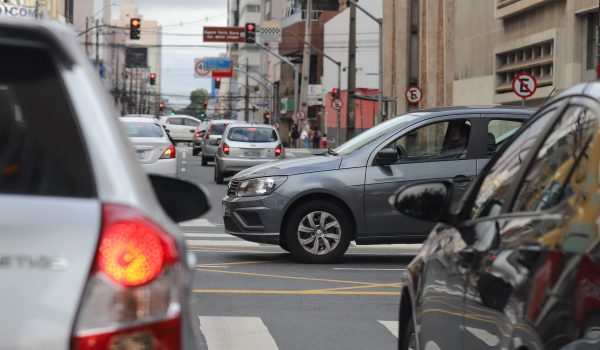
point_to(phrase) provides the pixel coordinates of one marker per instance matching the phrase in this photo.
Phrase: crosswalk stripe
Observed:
(236, 333)
(207, 235)
(236, 243)
(198, 223)
(391, 326)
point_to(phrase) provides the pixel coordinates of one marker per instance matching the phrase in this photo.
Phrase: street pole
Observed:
(338, 112)
(247, 97)
(306, 58)
(598, 44)
(87, 38)
(351, 73)
(97, 47)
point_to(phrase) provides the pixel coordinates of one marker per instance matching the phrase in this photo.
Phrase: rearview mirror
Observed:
(424, 200)
(181, 200)
(386, 156)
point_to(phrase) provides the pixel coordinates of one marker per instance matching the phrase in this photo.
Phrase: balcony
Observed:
(508, 8)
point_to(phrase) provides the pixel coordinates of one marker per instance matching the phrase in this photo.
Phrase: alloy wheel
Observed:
(319, 233)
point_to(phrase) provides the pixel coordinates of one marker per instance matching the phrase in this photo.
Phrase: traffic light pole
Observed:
(268, 85)
(247, 97)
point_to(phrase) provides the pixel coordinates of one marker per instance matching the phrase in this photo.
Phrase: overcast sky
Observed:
(185, 17)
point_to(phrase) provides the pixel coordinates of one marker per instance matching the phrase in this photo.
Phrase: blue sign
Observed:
(219, 64)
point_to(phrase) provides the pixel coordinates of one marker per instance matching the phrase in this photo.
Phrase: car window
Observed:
(499, 132)
(175, 121)
(252, 134)
(444, 140)
(496, 184)
(41, 150)
(143, 129)
(551, 168)
(217, 129)
(190, 122)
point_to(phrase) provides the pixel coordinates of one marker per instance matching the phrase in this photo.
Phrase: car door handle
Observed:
(167, 130)
(192, 130)
(461, 179)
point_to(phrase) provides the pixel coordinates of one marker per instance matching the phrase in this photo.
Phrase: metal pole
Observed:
(350, 107)
(338, 112)
(380, 95)
(598, 44)
(97, 47)
(247, 97)
(306, 59)
(87, 38)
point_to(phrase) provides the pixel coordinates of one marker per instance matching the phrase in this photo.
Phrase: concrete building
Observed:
(469, 51)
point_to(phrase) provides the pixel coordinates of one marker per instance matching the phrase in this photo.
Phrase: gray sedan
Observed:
(315, 206)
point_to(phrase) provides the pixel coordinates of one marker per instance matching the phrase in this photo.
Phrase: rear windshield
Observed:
(252, 134)
(217, 129)
(143, 129)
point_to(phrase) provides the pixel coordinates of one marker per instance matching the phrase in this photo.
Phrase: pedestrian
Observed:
(324, 141)
(304, 138)
(316, 139)
(295, 136)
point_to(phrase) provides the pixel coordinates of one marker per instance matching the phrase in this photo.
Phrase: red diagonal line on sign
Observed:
(526, 86)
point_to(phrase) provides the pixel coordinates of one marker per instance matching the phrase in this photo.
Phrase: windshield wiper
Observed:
(330, 151)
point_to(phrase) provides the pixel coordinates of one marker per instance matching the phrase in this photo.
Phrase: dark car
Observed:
(315, 206)
(516, 263)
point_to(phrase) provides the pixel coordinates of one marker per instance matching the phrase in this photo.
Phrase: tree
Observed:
(196, 106)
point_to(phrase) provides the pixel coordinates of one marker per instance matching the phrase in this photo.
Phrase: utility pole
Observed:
(306, 58)
(598, 44)
(351, 73)
(247, 97)
(97, 47)
(87, 38)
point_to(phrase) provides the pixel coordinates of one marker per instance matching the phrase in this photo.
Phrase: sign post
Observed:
(524, 85)
(413, 95)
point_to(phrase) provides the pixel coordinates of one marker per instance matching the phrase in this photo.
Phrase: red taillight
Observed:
(169, 153)
(197, 134)
(225, 148)
(133, 295)
(278, 150)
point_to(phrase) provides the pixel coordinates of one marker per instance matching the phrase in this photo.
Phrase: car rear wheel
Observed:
(409, 341)
(195, 151)
(318, 232)
(204, 161)
(218, 174)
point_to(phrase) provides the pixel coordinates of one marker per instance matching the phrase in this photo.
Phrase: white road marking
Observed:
(391, 326)
(236, 333)
(488, 338)
(183, 155)
(388, 246)
(182, 169)
(365, 269)
(197, 222)
(232, 244)
(183, 162)
(205, 235)
(214, 266)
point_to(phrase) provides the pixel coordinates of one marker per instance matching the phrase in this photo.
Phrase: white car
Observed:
(180, 127)
(152, 146)
(90, 256)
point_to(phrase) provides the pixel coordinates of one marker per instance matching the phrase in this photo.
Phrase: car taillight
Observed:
(197, 134)
(132, 298)
(169, 153)
(225, 148)
(278, 150)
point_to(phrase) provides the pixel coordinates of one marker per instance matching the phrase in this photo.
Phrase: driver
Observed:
(457, 141)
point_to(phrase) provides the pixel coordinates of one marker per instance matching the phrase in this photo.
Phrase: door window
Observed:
(499, 132)
(550, 170)
(191, 122)
(439, 141)
(495, 186)
(41, 150)
(175, 121)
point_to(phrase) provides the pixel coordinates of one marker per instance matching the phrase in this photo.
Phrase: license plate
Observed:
(251, 153)
(141, 154)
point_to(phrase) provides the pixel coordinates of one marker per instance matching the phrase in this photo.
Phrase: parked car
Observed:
(180, 127)
(214, 132)
(142, 116)
(315, 206)
(516, 264)
(89, 255)
(244, 146)
(198, 139)
(152, 146)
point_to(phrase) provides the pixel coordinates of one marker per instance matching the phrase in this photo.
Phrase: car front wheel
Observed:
(218, 174)
(195, 151)
(204, 161)
(318, 232)
(409, 341)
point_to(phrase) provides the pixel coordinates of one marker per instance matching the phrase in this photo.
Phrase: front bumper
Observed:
(255, 219)
(234, 165)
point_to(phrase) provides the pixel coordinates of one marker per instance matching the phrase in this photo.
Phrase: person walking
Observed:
(304, 138)
(316, 139)
(295, 135)
(324, 141)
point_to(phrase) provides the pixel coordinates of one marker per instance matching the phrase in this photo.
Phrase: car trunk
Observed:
(149, 149)
(252, 150)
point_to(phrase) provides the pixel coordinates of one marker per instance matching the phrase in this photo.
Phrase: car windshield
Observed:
(372, 134)
(217, 129)
(252, 134)
(137, 129)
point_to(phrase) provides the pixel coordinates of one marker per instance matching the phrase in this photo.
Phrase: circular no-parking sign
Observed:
(337, 104)
(524, 85)
(413, 94)
(300, 115)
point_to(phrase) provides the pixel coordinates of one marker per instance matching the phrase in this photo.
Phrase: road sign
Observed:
(413, 94)
(224, 35)
(270, 32)
(337, 104)
(524, 85)
(199, 71)
(300, 115)
(219, 66)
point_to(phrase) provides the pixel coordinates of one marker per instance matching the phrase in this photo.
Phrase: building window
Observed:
(252, 8)
(591, 50)
(537, 60)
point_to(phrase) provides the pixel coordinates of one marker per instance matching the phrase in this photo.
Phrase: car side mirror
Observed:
(427, 201)
(386, 156)
(181, 200)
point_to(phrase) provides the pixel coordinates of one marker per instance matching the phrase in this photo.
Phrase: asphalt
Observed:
(252, 296)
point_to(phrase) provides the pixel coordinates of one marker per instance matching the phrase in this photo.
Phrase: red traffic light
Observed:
(135, 22)
(336, 91)
(152, 75)
(205, 102)
(218, 79)
(250, 26)
(267, 116)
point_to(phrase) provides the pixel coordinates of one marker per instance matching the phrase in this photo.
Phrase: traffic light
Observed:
(250, 31)
(202, 115)
(205, 103)
(135, 25)
(266, 118)
(217, 83)
(152, 78)
(335, 94)
(161, 106)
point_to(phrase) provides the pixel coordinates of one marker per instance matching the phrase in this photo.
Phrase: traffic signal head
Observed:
(217, 82)
(205, 103)
(335, 93)
(250, 30)
(152, 78)
(266, 117)
(135, 25)
(202, 115)
(161, 106)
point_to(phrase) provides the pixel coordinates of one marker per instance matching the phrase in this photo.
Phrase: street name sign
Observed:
(224, 35)
(524, 85)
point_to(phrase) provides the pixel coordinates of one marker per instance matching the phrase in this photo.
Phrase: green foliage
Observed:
(196, 106)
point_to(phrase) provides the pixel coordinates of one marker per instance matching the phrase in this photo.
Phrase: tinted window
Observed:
(143, 129)
(251, 134)
(175, 121)
(217, 129)
(497, 182)
(41, 151)
(498, 134)
(191, 122)
(445, 140)
(543, 184)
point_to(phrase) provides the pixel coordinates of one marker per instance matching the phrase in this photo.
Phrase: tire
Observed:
(195, 151)
(409, 340)
(218, 174)
(283, 244)
(204, 161)
(327, 245)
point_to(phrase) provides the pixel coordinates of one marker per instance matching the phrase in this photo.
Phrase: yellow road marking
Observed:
(289, 292)
(374, 285)
(236, 263)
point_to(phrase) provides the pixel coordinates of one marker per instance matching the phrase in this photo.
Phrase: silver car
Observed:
(212, 135)
(89, 254)
(244, 146)
(153, 149)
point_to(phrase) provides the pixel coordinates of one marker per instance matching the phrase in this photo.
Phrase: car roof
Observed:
(140, 116)
(496, 109)
(245, 125)
(138, 120)
(227, 121)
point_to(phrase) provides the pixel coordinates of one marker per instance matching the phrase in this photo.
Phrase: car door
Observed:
(522, 291)
(426, 153)
(498, 129)
(50, 216)
(190, 126)
(175, 128)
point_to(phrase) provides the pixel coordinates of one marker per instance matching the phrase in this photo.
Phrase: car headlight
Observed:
(259, 186)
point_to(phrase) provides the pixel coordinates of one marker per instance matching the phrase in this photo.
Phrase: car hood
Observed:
(291, 167)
